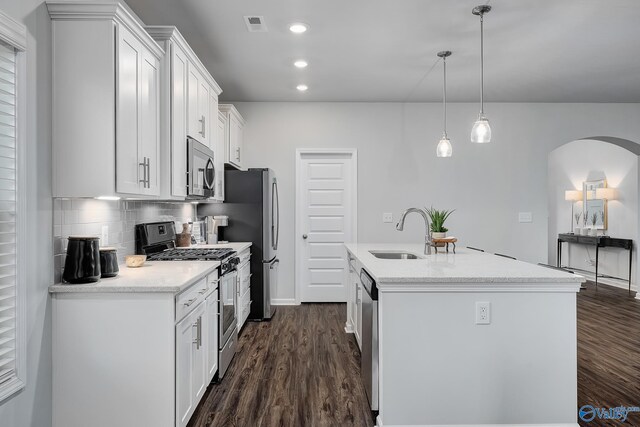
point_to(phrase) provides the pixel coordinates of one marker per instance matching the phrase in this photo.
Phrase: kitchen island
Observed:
(469, 338)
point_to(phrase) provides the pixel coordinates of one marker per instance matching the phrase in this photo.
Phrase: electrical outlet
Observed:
(483, 313)
(104, 240)
(387, 217)
(525, 217)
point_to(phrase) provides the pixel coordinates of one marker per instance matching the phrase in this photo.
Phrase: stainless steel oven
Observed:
(227, 313)
(201, 170)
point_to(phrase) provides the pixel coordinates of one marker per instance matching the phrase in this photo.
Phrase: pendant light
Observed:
(481, 131)
(444, 148)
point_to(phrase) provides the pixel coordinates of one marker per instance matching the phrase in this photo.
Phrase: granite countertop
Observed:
(466, 266)
(153, 276)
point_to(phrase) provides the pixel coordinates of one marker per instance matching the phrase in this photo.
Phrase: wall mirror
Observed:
(595, 210)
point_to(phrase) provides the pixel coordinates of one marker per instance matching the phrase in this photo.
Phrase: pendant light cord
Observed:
(444, 95)
(482, 64)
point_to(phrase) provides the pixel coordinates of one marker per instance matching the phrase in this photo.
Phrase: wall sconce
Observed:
(572, 196)
(606, 193)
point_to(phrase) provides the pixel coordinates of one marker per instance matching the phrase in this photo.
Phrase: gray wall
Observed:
(487, 184)
(584, 160)
(32, 406)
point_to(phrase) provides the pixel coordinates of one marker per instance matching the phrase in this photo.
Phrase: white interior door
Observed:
(326, 213)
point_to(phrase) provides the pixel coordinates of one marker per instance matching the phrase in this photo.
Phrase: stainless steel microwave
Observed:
(201, 170)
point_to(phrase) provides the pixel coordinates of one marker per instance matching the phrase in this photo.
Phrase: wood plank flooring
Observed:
(301, 369)
(608, 351)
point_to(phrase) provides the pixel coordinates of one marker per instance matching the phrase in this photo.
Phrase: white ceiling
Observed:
(381, 50)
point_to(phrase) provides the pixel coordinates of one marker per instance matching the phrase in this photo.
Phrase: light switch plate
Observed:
(387, 217)
(525, 217)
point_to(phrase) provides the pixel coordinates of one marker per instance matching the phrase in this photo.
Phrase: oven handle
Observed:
(273, 263)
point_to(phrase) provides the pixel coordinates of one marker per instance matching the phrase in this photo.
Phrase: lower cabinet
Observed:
(131, 359)
(243, 307)
(211, 334)
(190, 364)
(354, 301)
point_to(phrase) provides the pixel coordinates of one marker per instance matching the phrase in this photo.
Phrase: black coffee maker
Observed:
(83, 260)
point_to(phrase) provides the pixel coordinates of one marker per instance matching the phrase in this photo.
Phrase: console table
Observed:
(597, 242)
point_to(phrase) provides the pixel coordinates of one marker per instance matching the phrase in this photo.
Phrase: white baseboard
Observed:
(616, 283)
(284, 301)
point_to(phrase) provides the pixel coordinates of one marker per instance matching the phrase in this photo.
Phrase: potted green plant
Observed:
(438, 218)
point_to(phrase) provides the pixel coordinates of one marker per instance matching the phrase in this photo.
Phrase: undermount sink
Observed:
(394, 255)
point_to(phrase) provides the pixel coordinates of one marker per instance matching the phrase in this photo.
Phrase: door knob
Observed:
(304, 236)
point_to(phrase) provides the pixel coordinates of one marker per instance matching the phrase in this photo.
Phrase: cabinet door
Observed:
(186, 332)
(240, 145)
(358, 325)
(203, 113)
(149, 143)
(221, 155)
(199, 373)
(234, 149)
(129, 59)
(179, 79)
(211, 335)
(194, 79)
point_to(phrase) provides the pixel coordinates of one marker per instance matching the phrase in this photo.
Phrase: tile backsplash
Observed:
(73, 217)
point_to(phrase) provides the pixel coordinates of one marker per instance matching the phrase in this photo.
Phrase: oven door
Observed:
(227, 306)
(201, 170)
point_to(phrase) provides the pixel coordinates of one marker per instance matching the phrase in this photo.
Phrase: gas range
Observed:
(191, 254)
(157, 241)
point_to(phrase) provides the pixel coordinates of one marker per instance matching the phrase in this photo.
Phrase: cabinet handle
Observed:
(199, 331)
(148, 172)
(203, 126)
(238, 154)
(144, 172)
(191, 301)
(202, 291)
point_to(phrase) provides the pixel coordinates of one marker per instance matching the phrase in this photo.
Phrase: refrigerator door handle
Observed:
(275, 219)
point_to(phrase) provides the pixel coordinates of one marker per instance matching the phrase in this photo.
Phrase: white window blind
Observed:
(8, 282)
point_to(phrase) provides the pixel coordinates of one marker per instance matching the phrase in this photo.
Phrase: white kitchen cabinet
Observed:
(211, 334)
(352, 289)
(217, 145)
(105, 72)
(189, 365)
(243, 308)
(189, 108)
(150, 355)
(234, 135)
(221, 143)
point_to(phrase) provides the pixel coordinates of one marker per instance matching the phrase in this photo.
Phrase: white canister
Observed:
(593, 232)
(577, 231)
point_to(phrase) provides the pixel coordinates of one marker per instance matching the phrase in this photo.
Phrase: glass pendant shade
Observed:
(481, 130)
(444, 148)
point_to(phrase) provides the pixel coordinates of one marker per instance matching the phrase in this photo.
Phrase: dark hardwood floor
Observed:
(301, 369)
(608, 351)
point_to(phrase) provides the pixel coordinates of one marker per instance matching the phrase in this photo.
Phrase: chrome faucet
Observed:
(428, 243)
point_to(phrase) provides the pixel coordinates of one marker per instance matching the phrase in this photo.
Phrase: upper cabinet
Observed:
(106, 102)
(189, 108)
(233, 135)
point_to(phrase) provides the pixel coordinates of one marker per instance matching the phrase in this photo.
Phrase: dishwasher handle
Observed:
(369, 285)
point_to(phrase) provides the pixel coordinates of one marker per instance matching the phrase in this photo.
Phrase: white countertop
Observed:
(466, 266)
(153, 276)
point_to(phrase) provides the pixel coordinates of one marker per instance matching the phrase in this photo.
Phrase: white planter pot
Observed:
(577, 231)
(593, 232)
(435, 235)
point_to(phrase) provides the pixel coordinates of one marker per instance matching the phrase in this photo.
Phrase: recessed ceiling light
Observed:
(301, 63)
(302, 88)
(298, 27)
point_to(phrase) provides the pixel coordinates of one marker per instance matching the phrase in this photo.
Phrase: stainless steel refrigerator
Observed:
(251, 202)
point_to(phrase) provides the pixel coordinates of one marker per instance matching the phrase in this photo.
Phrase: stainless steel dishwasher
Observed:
(369, 356)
